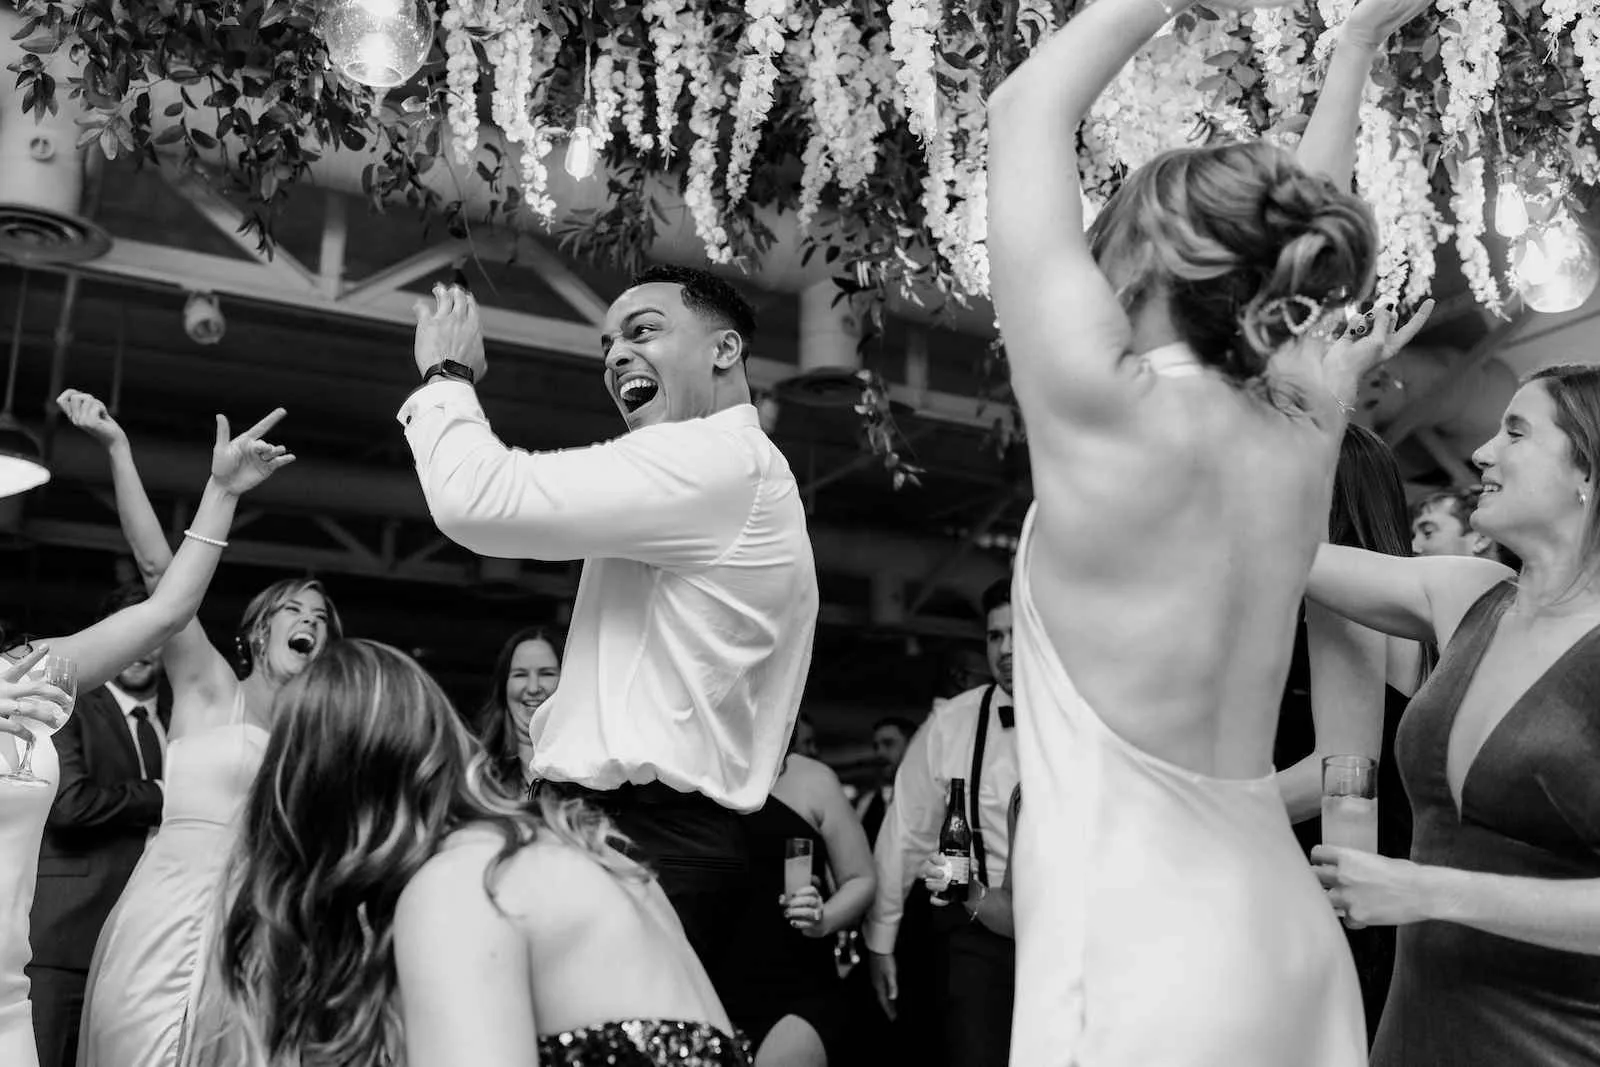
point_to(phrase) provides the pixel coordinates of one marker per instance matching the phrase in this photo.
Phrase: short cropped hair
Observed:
(998, 595)
(708, 296)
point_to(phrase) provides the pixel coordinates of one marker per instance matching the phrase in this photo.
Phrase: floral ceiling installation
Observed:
(865, 119)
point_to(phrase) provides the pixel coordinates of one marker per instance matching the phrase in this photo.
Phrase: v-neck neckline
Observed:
(1490, 629)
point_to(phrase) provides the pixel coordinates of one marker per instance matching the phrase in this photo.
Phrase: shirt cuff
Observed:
(438, 393)
(880, 936)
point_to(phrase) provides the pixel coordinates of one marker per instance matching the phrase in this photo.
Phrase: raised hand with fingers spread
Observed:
(241, 464)
(1366, 343)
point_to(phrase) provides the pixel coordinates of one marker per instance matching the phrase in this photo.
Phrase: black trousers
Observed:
(977, 987)
(57, 995)
(699, 853)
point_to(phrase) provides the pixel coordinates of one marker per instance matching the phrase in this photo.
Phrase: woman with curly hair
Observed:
(393, 906)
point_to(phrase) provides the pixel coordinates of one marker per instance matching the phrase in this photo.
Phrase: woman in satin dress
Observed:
(99, 653)
(144, 977)
(1185, 402)
(393, 903)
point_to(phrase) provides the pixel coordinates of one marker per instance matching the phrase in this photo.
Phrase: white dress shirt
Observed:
(127, 702)
(691, 635)
(941, 750)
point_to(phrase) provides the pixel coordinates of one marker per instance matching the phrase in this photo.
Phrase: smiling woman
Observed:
(1499, 908)
(145, 972)
(525, 675)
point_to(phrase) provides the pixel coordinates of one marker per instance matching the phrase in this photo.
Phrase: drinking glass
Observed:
(62, 673)
(796, 865)
(1350, 802)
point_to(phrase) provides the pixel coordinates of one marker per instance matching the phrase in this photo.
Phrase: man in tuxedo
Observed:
(889, 740)
(112, 752)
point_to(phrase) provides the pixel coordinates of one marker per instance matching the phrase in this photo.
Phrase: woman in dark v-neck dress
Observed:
(1498, 960)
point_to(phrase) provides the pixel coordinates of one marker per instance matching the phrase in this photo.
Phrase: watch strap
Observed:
(450, 370)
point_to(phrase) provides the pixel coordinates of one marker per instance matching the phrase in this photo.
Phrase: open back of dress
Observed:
(1163, 916)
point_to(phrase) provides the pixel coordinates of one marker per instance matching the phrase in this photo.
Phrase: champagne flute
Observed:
(62, 673)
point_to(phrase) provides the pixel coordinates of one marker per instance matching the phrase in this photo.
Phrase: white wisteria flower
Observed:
(758, 74)
(707, 92)
(668, 21)
(1470, 38)
(914, 46)
(1467, 203)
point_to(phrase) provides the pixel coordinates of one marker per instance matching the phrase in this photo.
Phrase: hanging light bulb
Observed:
(1510, 208)
(581, 150)
(1572, 269)
(1533, 268)
(380, 43)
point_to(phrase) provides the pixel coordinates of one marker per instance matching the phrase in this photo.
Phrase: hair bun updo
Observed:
(1235, 235)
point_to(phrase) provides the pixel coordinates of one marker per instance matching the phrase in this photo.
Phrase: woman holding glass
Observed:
(1498, 909)
(1360, 681)
(96, 655)
(789, 1000)
(145, 972)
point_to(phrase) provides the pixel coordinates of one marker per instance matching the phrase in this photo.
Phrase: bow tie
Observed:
(1008, 716)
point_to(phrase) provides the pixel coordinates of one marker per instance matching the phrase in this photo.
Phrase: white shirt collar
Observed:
(127, 701)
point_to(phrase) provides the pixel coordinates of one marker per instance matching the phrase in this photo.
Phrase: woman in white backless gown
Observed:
(145, 975)
(99, 653)
(1184, 402)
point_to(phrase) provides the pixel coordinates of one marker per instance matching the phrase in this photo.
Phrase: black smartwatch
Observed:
(449, 370)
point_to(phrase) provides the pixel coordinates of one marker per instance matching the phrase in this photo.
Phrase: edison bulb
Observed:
(1534, 266)
(381, 43)
(1571, 271)
(580, 156)
(1510, 207)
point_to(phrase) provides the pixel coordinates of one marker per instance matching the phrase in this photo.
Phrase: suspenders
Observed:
(979, 854)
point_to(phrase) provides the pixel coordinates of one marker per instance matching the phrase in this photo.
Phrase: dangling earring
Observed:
(1583, 498)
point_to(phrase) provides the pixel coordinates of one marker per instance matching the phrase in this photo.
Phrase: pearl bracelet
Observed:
(204, 539)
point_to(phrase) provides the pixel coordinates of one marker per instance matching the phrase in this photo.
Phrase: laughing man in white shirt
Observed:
(691, 635)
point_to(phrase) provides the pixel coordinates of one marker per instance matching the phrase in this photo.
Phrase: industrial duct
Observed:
(42, 171)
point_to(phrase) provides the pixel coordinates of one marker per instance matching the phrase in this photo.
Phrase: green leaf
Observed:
(1223, 59)
(173, 110)
(43, 45)
(203, 139)
(109, 144)
(169, 135)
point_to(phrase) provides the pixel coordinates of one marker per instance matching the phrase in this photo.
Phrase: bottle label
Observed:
(957, 867)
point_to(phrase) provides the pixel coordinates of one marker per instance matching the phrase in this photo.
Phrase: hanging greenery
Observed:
(865, 120)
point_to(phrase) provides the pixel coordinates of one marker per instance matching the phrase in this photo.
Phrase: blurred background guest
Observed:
(789, 999)
(525, 674)
(108, 802)
(1357, 684)
(969, 737)
(1441, 525)
(889, 740)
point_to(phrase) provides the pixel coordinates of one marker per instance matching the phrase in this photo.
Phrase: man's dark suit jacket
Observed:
(102, 817)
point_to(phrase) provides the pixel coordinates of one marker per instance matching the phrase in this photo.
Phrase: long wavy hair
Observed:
(1248, 247)
(493, 722)
(256, 623)
(368, 771)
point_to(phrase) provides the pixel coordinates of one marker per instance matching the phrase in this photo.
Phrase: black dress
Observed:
(644, 1043)
(782, 971)
(1530, 807)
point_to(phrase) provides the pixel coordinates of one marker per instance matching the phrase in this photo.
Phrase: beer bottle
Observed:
(955, 845)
